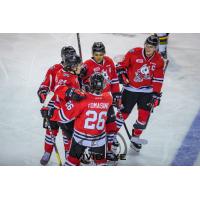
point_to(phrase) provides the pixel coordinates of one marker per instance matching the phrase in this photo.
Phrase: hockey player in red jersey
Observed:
(67, 88)
(142, 73)
(90, 117)
(47, 86)
(102, 63)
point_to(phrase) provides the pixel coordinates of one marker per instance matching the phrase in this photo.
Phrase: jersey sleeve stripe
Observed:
(90, 137)
(158, 79)
(115, 82)
(62, 116)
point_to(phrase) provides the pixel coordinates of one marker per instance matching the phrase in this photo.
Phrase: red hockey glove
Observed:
(42, 93)
(117, 99)
(75, 94)
(47, 112)
(156, 98)
(123, 77)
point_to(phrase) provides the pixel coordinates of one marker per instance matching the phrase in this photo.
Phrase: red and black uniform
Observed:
(90, 116)
(47, 86)
(108, 69)
(49, 82)
(145, 76)
(64, 81)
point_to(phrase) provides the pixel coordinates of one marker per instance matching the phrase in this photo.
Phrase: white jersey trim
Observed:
(145, 89)
(90, 140)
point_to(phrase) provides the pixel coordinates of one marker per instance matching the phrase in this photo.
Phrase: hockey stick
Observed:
(79, 45)
(166, 63)
(45, 104)
(121, 117)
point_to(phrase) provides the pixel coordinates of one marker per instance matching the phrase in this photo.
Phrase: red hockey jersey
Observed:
(90, 114)
(63, 81)
(49, 81)
(107, 68)
(145, 75)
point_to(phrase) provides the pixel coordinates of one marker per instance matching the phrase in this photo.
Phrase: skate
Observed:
(45, 158)
(135, 146)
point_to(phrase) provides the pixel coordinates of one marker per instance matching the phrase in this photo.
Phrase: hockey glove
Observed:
(123, 77)
(117, 99)
(75, 94)
(47, 112)
(156, 98)
(83, 72)
(42, 93)
(86, 87)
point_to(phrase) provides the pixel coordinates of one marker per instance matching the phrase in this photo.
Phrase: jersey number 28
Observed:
(95, 120)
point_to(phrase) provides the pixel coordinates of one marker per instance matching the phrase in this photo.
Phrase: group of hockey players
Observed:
(85, 94)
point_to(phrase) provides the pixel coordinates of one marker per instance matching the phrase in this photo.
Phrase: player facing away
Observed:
(67, 88)
(142, 73)
(48, 85)
(99, 62)
(90, 117)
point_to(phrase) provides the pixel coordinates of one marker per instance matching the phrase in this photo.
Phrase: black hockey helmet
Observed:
(67, 50)
(98, 47)
(152, 40)
(71, 61)
(97, 82)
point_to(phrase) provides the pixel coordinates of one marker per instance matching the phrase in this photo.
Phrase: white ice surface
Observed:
(24, 60)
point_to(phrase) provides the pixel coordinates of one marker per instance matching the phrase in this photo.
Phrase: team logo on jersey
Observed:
(62, 82)
(142, 74)
(139, 60)
(97, 69)
(105, 74)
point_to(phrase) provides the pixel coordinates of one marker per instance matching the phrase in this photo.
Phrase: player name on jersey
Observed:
(98, 105)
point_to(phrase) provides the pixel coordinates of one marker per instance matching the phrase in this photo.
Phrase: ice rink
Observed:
(174, 128)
